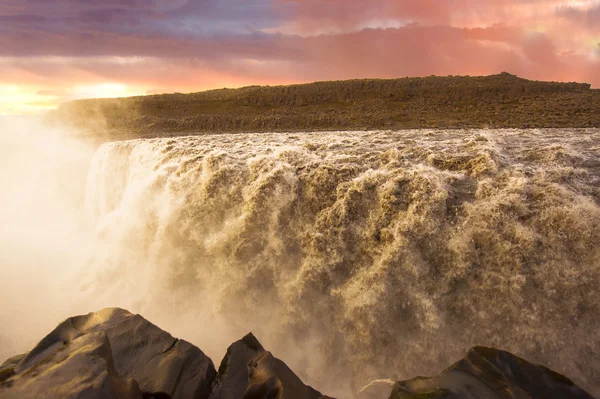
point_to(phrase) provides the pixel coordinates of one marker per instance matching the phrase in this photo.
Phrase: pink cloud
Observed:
(348, 13)
(163, 46)
(589, 17)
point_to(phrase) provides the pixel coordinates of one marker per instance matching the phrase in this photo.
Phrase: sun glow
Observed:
(15, 99)
(105, 90)
(27, 100)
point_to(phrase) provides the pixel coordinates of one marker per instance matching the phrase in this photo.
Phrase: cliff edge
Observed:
(496, 101)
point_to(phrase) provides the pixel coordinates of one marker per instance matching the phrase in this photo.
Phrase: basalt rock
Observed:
(111, 353)
(248, 371)
(116, 354)
(82, 368)
(497, 101)
(487, 373)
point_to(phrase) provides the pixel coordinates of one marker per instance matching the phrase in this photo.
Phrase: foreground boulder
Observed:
(86, 369)
(487, 373)
(248, 371)
(116, 354)
(111, 353)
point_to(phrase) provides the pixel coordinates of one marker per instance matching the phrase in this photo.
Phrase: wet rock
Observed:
(248, 371)
(111, 352)
(490, 373)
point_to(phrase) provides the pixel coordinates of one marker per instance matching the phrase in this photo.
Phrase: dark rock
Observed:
(248, 371)
(12, 362)
(116, 354)
(82, 368)
(490, 373)
(110, 351)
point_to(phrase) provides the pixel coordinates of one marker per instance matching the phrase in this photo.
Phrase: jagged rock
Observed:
(111, 353)
(83, 368)
(490, 373)
(116, 354)
(248, 371)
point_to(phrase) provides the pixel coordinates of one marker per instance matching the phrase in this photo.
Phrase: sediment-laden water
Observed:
(362, 255)
(356, 255)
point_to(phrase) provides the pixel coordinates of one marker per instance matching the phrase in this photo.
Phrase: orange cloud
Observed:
(50, 53)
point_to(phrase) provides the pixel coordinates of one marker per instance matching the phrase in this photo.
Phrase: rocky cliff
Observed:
(497, 101)
(116, 354)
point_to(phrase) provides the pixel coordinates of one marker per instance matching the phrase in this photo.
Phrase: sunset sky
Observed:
(53, 51)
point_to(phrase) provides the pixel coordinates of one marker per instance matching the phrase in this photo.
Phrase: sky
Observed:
(52, 51)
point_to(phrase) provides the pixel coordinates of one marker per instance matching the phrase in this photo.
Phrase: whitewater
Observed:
(352, 256)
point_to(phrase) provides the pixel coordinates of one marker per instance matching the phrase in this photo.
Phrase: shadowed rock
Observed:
(111, 353)
(116, 354)
(248, 371)
(487, 373)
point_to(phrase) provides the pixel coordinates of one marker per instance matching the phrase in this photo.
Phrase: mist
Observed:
(42, 237)
(55, 260)
(75, 240)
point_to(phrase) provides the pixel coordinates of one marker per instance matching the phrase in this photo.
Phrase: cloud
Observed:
(138, 17)
(406, 51)
(181, 45)
(310, 15)
(419, 51)
(589, 17)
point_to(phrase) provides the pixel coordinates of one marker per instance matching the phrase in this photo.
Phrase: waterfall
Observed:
(365, 254)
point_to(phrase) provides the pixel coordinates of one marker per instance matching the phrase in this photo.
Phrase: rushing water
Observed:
(356, 255)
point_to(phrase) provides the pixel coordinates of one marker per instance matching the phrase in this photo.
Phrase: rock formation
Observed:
(248, 371)
(116, 354)
(497, 101)
(110, 353)
(487, 373)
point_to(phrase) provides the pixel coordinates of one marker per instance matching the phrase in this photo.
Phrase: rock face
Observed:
(490, 373)
(497, 101)
(116, 354)
(111, 353)
(248, 371)
(85, 369)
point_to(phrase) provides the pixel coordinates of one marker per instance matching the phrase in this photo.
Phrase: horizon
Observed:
(17, 115)
(52, 53)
